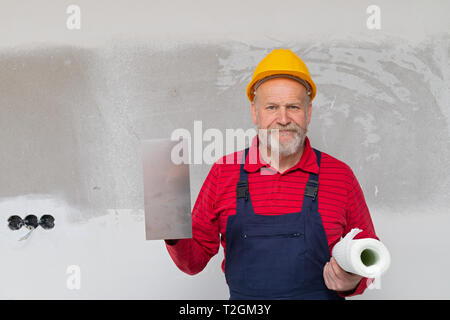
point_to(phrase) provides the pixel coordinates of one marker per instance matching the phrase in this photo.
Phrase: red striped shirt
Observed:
(341, 203)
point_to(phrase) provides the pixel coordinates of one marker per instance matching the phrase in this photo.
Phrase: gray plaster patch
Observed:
(72, 118)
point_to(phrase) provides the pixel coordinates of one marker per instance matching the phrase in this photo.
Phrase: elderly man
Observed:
(280, 211)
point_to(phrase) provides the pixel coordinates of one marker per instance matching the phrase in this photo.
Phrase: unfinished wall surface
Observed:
(75, 105)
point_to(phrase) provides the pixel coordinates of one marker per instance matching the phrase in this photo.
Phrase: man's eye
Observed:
(294, 107)
(271, 107)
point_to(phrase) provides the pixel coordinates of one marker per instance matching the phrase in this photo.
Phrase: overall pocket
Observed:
(274, 258)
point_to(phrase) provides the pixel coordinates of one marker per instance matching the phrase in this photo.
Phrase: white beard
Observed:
(269, 138)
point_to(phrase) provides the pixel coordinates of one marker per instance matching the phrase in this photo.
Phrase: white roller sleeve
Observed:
(367, 257)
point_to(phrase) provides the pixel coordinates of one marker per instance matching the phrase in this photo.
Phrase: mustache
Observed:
(290, 127)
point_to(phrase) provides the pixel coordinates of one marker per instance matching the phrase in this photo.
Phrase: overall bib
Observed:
(276, 257)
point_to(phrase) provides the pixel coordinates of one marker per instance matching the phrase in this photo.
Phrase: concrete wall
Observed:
(75, 104)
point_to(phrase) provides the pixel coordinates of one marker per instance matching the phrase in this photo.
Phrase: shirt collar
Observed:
(307, 162)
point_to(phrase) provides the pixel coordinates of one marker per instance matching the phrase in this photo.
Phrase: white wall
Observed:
(74, 106)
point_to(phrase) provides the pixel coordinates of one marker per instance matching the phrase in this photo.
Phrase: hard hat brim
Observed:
(265, 74)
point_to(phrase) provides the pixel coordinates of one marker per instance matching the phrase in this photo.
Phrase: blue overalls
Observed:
(276, 257)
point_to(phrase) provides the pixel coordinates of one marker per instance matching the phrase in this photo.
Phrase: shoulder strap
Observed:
(312, 186)
(242, 185)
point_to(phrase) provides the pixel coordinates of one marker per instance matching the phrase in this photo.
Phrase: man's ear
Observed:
(253, 107)
(309, 112)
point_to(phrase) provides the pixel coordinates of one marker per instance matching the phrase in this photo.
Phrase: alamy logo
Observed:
(73, 21)
(74, 279)
(374, 20)
(211, 145)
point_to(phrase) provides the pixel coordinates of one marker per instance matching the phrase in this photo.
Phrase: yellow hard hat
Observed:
(278, 63)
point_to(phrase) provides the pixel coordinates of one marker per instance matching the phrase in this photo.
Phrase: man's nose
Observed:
(283, 117)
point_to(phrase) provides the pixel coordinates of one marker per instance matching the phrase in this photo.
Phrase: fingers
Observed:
(337, 278)
(343, 275)
(328, 278)
(332, 275)
(336, 270)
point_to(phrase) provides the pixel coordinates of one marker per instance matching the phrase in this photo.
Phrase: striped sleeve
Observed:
(192, 255)
(358, 216)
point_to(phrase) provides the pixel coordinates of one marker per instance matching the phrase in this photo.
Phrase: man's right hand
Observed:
(171, 242)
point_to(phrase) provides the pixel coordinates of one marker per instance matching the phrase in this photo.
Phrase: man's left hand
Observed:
(338, 279)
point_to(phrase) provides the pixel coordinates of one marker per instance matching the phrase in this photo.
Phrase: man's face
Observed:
(281, 103)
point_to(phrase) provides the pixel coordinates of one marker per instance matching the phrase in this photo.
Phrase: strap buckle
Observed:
(242, 190)
(312, 186)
